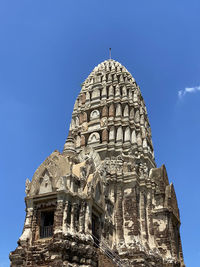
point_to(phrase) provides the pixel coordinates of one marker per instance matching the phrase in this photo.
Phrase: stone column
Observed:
(150, 217)
(88, 219)
(58, 216)
(82, 217)
(143, 222)
(112, 192)
(68, 178)
(72, 218)
(65, 228)
(119, 216)
(27, 231)
(135, 213)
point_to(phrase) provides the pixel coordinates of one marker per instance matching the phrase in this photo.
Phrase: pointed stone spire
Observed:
(111, 93)
(69, 147)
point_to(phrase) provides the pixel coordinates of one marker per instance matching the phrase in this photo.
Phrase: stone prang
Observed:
(102, 201)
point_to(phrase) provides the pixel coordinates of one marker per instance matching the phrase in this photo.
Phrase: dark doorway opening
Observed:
(46, 224)
(96, 229)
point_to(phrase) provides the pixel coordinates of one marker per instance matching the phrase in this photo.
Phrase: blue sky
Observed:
(48, 48)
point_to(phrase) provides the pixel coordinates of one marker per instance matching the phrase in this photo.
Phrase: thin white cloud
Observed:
(187, 90)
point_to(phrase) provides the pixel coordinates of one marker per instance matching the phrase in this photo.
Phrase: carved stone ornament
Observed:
(94, 114)
(104, 122)
(84, 126)
(27, 190)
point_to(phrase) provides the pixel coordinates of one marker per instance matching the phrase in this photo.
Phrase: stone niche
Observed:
(94, 115)
(94, 138)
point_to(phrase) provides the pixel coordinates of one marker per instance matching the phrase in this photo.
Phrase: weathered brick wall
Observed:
(104, 261)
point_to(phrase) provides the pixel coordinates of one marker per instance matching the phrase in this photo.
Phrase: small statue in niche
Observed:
(27, 189)
(117, 90)
(61, 183)
(124, 91)
(84, 126)
(94, 114)
(145, 168)
(104, 122)
(141, 171)
(94, 138)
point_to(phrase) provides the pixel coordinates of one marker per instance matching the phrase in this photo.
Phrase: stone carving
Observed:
(45, 184)
(143, 132)
(77, 121)
(83, 99)
(119, 110)
(137, 116)
(132, 114)
(118, 68)
(84, 117)
(115, 78)
(94, 138)
(133, 137)
(124, 91)
(110, 91)
(61, 184)
(126, 111)
(104, 122)
(112, 134)
(27, 190)
(110, 77)
(94, 114)
(135, 96)
(98, 78)
(119, 134)
(139, 139)
(144, 144)
(142, 119)
(117, 91)
(112, 67)
(84, 126)
(127, 136)
(105, 183)
(87, 96)
(130, 96)
(72, 124)
(121, 78)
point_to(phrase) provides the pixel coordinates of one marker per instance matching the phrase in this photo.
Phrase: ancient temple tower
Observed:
(102, 201)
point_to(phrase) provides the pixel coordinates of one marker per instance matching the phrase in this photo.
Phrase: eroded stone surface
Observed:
(104, 187)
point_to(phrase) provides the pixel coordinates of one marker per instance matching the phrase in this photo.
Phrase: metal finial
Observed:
(110, 53)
